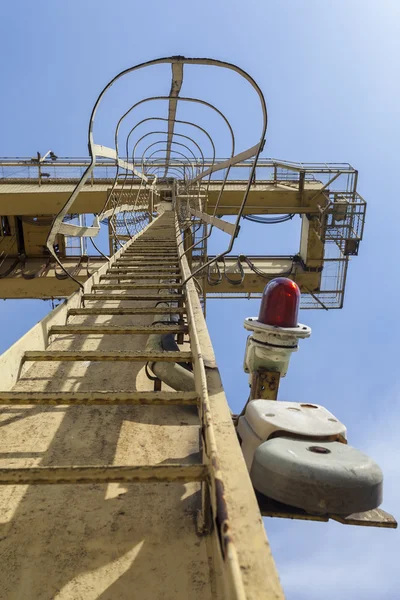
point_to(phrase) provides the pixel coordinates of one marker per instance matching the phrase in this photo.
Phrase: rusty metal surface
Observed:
(264, 384)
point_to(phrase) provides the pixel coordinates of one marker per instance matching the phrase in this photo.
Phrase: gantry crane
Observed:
(118, 387)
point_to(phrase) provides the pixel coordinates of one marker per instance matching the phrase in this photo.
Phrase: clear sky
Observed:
(330, 75)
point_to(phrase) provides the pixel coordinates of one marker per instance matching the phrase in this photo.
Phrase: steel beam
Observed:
(28, 198)
(48, 286)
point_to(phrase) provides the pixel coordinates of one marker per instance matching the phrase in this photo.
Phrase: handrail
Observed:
(72, 162)
(217, 499)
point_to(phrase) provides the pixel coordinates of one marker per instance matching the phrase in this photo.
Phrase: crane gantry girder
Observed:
(26, 197)
(23, 201)
(47, 285)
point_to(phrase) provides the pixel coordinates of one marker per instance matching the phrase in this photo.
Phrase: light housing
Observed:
(280, 303)
(276, 332)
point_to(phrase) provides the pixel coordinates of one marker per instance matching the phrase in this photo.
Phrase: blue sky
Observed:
(329, 72)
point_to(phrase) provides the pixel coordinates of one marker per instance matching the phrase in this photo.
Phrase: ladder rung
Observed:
(100, 398)
(103, 474)
(135, 275)
(148, 252)
(147, 263)
(143, 256)
(155, 253)
(140, 274)
(153, 246)
(139, 271)
(136, 286)
(168, 260)
(111, 356)
(153, 267)
(154, 310)
(156, 248)
(145, 297)
(117, 330)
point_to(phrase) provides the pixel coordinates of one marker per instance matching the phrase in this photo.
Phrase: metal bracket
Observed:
(264, 384)
(370, 518)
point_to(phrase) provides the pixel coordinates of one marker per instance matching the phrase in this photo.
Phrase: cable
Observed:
(234, 281)
(146, 370)
(10, 269)
(98, 249)
(210, 280)
(268, 220)
(74, 271)
(41, 271)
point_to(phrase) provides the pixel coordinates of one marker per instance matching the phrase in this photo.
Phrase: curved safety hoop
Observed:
(126, 197)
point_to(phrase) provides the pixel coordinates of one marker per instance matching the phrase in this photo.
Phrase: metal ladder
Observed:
(157, 254)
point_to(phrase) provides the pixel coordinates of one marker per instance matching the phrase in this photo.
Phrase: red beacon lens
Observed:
(280, 303)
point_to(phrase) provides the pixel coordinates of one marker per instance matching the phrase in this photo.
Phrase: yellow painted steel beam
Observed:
(311, 244)
(267, 198)
(48, 286)
(47, 199)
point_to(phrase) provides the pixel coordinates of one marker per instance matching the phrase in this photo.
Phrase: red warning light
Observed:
(280, 303)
